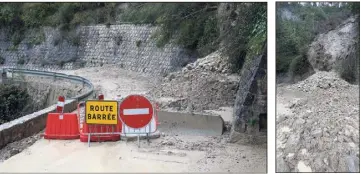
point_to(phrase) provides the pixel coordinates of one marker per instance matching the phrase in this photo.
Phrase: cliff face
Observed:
(129, 46)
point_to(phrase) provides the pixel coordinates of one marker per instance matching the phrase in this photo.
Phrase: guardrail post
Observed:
(54, 75)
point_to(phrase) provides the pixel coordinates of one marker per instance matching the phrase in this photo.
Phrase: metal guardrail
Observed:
(57, 75)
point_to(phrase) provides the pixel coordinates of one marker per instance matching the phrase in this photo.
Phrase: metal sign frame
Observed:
(92, 125)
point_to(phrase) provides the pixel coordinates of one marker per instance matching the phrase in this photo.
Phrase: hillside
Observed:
(318, 90)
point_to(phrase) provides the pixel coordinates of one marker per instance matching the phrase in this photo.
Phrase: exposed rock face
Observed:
(128, 46)
(251, 101)
(329, 49)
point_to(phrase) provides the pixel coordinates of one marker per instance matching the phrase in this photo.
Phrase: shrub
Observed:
(61, 63)
(21, 61)
(190, 25)
(300, 67)
(57, 41)
(18, 17)
(72, 37)
(38, 38)
(12, 101)
(118, 40)
(138, 42)
(2, 60)
(107, 24)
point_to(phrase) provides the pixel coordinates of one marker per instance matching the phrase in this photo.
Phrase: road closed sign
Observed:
(101, 112)
(136, 111)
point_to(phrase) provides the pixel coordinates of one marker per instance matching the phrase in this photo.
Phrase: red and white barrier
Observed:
(101, 97)
(61, 103)
(150, 128)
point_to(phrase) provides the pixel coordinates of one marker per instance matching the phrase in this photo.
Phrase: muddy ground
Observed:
(172, 152)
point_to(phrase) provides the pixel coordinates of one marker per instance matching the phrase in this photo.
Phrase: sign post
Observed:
(101, 112)
(136, 113)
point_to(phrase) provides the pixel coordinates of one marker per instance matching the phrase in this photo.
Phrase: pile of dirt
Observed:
(318, 125)
(321, 80)
(201, 85)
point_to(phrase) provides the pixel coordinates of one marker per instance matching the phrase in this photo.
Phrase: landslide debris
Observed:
(318, 129)
(202, 85)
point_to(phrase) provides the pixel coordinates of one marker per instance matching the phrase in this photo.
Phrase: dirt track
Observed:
(169, 153)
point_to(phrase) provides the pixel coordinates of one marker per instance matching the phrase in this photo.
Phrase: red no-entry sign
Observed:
(136, 111)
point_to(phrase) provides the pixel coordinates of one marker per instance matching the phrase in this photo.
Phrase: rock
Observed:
(171, 77)
(293, 140)
(282, 165)
(170, 143)
(299, 122)
(189, 67)
(317, 133)
(302, 167)
(353, 164)
(14, 152)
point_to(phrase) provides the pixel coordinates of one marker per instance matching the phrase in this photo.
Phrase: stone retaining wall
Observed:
(129, 46)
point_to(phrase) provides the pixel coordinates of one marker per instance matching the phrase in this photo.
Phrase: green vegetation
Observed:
(196, 26)
(191, 25)
(12, 101)
(295, 34)
(138, 42)
(300, 67)
(21, 61)
(2, 60)
(199, 27)
(17, 18)
(248, 37)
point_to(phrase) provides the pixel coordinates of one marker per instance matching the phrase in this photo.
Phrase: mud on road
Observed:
(172, 152)
(169, 153)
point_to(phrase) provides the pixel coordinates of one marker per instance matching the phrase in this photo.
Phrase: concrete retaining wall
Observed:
(191, 124)
(30, 124)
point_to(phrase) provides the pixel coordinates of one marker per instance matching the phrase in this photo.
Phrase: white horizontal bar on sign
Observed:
(140, 111)
(61, 104)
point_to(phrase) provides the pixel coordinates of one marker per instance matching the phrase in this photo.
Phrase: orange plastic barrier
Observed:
(156, 114)
(62, 126)
(84, 129)
(100, 129)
